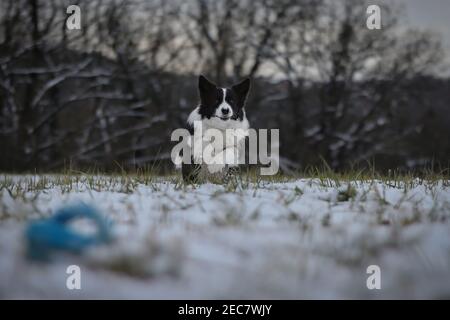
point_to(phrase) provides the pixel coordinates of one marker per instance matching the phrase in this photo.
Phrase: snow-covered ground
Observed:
(290, 240)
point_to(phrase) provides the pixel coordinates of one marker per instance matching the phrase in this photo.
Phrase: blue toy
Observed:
(54, 234)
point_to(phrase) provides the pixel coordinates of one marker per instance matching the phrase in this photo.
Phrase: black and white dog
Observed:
(221, 109)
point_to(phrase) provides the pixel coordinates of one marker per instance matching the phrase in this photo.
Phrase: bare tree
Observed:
(51, 76)
(233, 39)
(113, 91)
(360, 76)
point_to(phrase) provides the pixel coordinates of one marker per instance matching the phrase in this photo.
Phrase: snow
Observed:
(293, 240)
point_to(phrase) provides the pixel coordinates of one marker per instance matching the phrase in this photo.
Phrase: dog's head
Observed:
(222, 103)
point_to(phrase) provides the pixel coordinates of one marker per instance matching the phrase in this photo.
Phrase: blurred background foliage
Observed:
(112, 92)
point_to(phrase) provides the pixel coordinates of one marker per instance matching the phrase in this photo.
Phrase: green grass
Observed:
(127, 181)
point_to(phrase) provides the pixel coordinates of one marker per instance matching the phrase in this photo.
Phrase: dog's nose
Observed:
(225, 110)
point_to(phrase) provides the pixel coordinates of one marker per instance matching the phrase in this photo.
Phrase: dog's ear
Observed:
(207, 90)
(241, 90)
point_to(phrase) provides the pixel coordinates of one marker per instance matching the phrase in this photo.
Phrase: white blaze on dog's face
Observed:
(224, 110)
(223, 106)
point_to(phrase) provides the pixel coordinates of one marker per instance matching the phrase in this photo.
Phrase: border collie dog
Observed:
(221, 109)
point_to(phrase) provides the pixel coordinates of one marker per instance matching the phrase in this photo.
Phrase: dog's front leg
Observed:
(228, 157)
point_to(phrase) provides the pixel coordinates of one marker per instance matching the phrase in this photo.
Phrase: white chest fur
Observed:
(217, 143)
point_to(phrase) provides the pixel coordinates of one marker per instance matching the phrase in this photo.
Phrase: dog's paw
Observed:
(231, 174)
